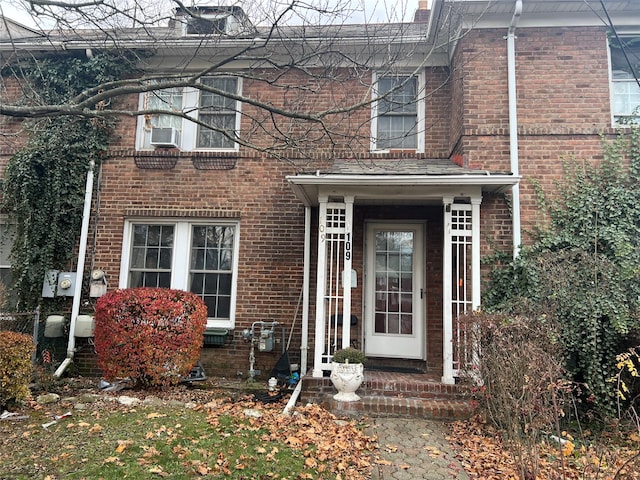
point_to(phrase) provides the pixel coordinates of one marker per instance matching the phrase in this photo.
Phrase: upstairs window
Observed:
(171, 131)
(624, 71)
(219, 112)
(169, 100)
(206, 25)
(398, 116)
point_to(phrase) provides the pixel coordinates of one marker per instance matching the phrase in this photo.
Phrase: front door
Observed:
(394, 314)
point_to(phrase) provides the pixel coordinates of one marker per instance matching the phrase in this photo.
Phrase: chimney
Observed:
(422, 14)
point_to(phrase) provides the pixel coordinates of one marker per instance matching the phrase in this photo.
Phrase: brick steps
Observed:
(385, 394)
(376, 406)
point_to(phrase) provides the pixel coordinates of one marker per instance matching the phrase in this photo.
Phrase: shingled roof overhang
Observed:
(398, 181)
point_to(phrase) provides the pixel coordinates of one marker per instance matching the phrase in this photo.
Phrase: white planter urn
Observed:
(347, 378)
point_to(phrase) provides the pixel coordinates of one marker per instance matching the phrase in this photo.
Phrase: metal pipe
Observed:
(82, 253)
(513, 125)
(293, 398)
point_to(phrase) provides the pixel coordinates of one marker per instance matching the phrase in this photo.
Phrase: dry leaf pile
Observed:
(485, 456)
(311, 430)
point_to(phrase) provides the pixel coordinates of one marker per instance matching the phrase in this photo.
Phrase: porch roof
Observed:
(396, 180)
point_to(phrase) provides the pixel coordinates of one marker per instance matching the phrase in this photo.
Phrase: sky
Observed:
(351, 11)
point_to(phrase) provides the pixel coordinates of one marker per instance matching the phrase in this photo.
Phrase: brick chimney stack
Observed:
(422, 14)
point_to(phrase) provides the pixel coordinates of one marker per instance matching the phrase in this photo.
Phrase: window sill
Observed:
(397, 151)
(219, 324)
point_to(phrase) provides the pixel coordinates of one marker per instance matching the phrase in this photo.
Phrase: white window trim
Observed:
(420, 112)
(189, 130)
(180, 260)
(5, 221)
(635, 118)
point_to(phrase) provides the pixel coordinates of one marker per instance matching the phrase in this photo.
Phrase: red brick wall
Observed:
(437, 112)
(563, 107)
(255, 193)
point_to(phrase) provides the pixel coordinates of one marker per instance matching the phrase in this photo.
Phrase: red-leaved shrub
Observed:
(151, 335)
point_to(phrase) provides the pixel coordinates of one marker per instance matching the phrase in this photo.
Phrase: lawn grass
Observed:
(143, 443)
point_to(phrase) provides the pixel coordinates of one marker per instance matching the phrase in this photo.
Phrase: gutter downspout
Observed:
(513, 125)
(304, 341)
(82, 253)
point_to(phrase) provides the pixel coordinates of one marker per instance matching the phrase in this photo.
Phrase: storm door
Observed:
(394, 314)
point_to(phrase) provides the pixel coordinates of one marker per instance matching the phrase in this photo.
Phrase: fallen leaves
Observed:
(156, 470)
(433, 451)
(156, 415)
(311, 430)
(122, 445)
(96, 428)
(485, 456)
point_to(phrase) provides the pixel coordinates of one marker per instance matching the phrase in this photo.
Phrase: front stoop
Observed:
(384, 394)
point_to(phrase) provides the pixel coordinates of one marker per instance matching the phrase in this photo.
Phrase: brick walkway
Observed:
(416, 449)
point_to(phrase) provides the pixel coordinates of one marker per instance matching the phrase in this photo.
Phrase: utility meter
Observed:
(265, 343)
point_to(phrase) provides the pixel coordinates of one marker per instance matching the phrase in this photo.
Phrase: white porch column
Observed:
(346, 275)
(304, 341)
(475, 252)
(447, 298)
(320, 289)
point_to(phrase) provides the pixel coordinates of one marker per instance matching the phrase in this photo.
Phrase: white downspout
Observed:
(304, 341)
(82, 253)
(513, 125)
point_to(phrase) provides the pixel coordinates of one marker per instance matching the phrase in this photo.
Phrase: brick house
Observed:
(374, 238)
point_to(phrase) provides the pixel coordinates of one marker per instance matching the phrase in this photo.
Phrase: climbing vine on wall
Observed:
(44, 184)
(583, 270)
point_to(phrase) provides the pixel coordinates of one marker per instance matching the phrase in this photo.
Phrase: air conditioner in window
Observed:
(165, 137)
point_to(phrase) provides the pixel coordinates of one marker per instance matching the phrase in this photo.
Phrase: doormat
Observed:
(382, 368)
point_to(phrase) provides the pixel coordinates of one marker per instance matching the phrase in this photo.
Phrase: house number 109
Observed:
(347, 247)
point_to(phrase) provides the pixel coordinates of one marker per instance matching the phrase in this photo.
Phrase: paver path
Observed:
(415, 448)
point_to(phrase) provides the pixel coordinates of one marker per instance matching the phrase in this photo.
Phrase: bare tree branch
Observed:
(295, 63)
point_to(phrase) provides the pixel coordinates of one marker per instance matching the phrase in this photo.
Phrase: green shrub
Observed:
(349, 355)
(583, 268)
(15, 366)
(151, 335)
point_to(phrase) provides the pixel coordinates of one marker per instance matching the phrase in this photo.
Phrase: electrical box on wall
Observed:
(354, 278)
(85, 326)
(50, 283)
(97, 284)
(66, 284)
(55, 326)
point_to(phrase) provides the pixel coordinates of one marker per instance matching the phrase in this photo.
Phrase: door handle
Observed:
(421, 293)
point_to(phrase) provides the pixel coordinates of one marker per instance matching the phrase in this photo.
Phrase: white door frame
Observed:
(413, 346)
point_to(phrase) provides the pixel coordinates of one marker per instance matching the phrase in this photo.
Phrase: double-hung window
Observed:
(7, 235)
(219, 112)
(398, 113)
(170, 100)
(201, 257)
(204, 105)
(625, 70)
